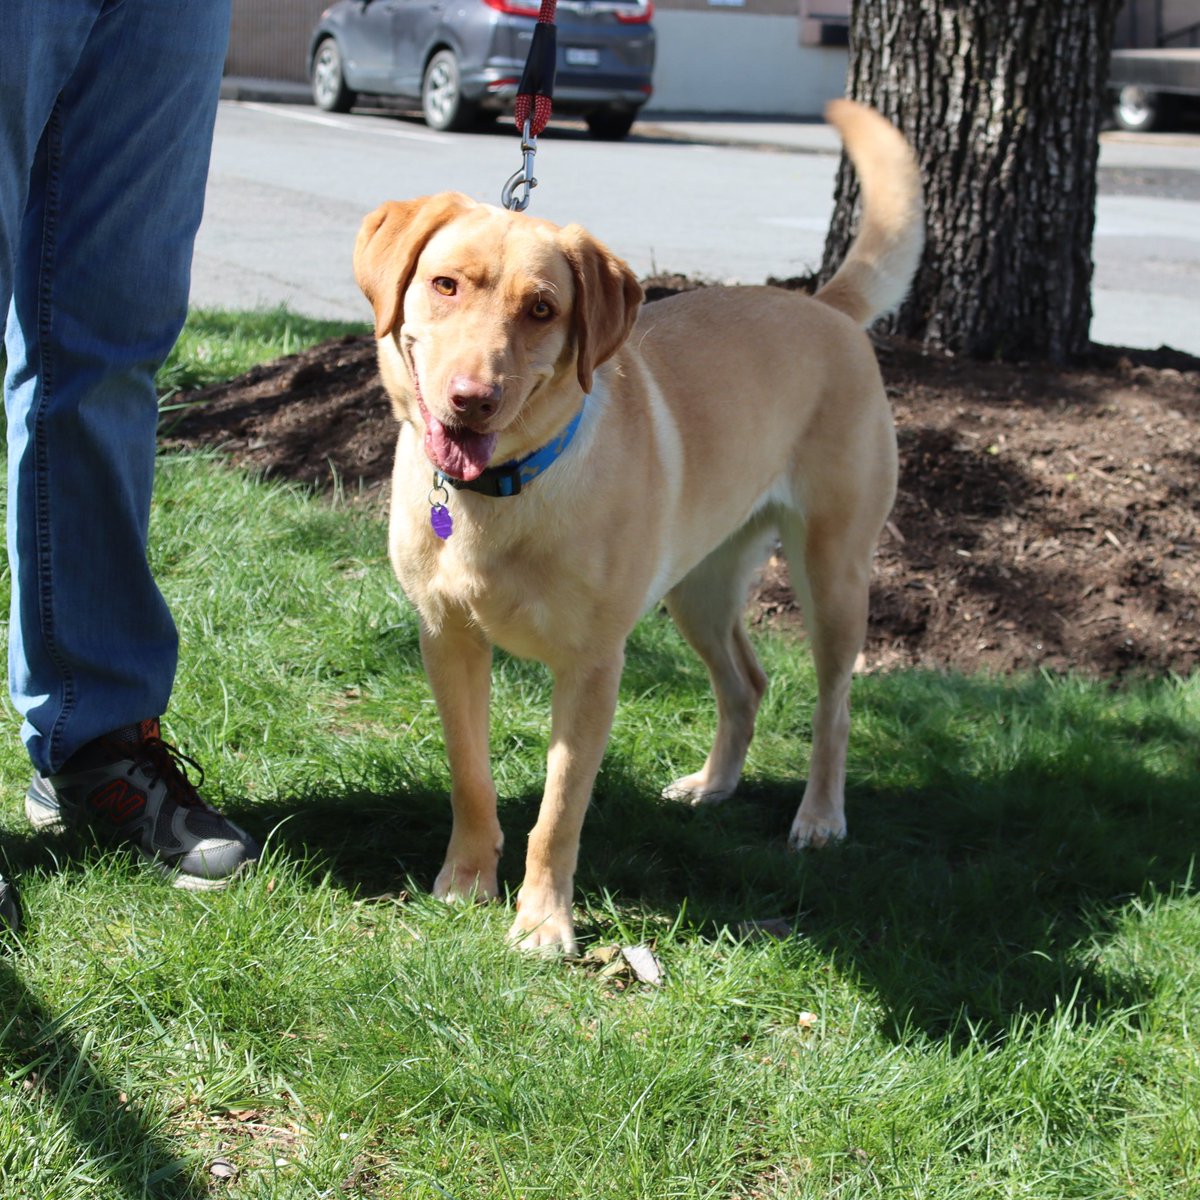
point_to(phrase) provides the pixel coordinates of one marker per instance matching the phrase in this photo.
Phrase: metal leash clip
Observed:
(522, 178)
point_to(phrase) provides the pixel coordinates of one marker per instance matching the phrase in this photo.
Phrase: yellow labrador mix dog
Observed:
(566, 461)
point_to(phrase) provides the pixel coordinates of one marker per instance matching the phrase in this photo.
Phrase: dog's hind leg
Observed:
(458, 662)
(707, 607)
(830, 563)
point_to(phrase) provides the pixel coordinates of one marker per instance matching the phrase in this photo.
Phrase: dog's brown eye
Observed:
(444, 286)
(541, 311)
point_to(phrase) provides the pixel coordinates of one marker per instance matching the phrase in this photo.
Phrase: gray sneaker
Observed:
(131, 787)
(10, 911)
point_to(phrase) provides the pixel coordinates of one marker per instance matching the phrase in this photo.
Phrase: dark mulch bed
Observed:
(1045, 517)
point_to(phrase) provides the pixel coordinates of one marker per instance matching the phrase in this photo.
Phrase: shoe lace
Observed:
(169, 764)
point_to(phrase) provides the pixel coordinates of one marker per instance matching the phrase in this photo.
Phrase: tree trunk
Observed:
(1001, 100)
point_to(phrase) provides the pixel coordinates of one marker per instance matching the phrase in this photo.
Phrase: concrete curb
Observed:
(265, 91)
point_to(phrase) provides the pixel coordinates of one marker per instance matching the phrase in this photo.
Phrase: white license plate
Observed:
(580, 56)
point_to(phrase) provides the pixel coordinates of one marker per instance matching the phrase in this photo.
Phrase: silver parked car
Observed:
(463, 60)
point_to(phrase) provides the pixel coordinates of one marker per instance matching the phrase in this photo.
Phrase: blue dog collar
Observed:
(509, 478)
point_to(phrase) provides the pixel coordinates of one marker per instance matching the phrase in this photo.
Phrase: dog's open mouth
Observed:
(456, 450)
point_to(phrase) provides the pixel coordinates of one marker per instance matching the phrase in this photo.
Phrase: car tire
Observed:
(442, 102)
(1136, 109)
(610, 124)
(329, 89)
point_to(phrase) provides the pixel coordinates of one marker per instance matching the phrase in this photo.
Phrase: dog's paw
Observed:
(697, 790)
(543, 925)
(461, 883)
(809, 832)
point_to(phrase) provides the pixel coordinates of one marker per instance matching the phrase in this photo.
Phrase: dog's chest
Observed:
(512, 593)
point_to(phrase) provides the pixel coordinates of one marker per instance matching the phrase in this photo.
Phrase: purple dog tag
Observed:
(441, 521)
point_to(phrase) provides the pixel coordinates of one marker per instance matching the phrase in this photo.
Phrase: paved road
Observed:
(730, 201)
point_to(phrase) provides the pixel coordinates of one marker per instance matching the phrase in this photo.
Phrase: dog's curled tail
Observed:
(884, 256)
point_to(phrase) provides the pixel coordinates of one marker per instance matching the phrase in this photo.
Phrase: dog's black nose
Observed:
(473, 399)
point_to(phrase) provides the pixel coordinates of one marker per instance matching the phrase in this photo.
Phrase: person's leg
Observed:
(38, 53)
(100, 286)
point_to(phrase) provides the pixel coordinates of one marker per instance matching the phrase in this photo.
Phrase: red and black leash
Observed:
(534, 101)
(536, 90)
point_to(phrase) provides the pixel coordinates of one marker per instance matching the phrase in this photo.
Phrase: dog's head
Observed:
(489, 322)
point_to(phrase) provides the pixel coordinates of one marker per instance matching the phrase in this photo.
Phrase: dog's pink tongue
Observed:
(459, 453)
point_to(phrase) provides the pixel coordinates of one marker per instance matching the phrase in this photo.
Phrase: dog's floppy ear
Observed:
(607, 297)
(387, 247)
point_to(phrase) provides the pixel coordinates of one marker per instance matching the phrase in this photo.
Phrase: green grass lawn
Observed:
(991, 990)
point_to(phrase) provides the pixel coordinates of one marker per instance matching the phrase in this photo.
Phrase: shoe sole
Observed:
(40, 816)
(198, 883)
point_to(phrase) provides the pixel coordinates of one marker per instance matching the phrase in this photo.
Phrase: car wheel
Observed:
(328, 82)
(610, 124)
(1136, 109)
(442, 100)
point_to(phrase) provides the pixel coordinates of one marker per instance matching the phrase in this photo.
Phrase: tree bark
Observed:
(1001, 99)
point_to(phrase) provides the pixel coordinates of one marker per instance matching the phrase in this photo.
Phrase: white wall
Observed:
(719, 62)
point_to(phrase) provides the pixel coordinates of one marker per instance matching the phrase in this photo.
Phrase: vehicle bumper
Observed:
(1156, 70)
(495, 89)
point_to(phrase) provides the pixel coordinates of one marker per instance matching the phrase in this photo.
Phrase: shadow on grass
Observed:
(962, 902)
(38, 1052)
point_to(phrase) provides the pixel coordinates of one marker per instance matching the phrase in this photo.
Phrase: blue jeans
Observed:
(106, 118)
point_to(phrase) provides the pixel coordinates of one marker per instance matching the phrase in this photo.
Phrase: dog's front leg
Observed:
(458, 661)
(585, 698)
